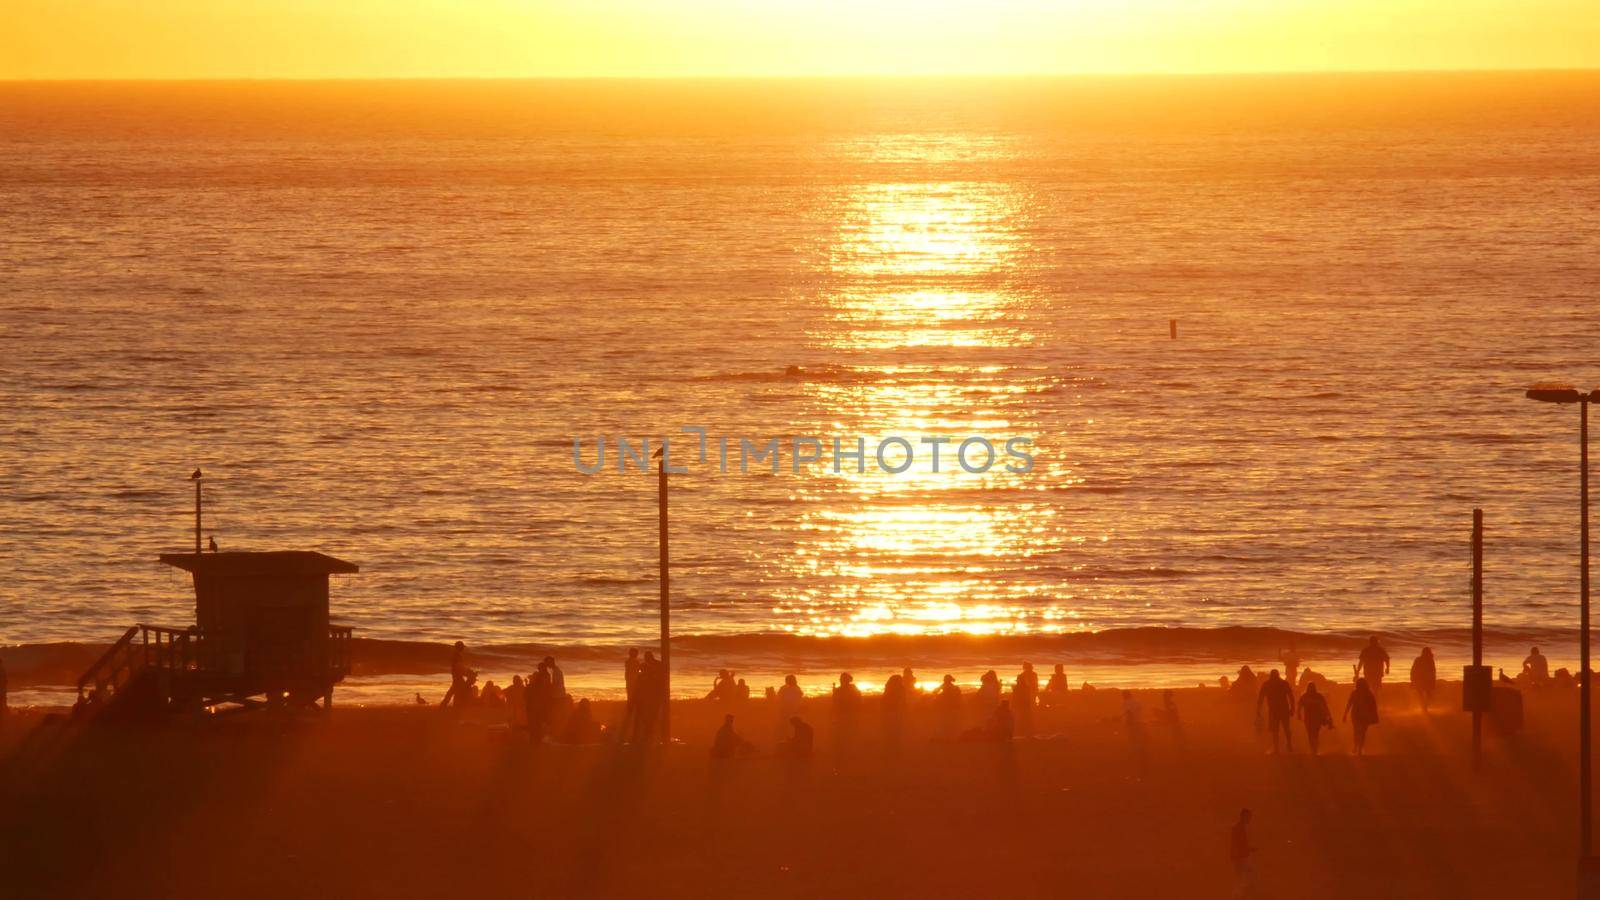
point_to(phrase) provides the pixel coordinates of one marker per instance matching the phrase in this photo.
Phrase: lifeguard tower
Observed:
(261, 635)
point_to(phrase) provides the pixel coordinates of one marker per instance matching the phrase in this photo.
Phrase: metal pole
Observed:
(666, 607)
(1586, 785)
(1477, 629)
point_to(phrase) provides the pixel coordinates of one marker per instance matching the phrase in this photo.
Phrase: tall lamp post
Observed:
(1563, 393)
(666, 596)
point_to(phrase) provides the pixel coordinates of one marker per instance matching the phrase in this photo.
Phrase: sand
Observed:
(413, 802)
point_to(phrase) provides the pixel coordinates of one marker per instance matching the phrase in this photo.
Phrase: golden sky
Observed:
(526, 38)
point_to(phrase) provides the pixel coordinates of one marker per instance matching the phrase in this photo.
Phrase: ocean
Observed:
(378, 314)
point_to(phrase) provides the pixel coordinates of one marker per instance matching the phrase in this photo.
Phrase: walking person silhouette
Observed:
(1314, 714)
(1362, 711)
(1279, 698)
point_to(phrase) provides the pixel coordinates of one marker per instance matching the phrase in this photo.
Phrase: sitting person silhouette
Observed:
(1000, 728)
(799, 746)
(909, 679)
(846, 697)
(581, 727)
(1055, 690)
(722, 687)
(1537, 668)
(846, 709)
(492, 695)
(728, 744)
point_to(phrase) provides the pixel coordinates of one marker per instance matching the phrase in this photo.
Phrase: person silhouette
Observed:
(846, 697)
(651, 688)
(1169, 714)
(1361, 710)
(894, 702)
(1424, 675)
(558, 682)
(947, 700)
(1241, 855)
(492, 694)
(1024, 695)
(790, 698)
(846, 709)
(517, 702)
(1002, 725)
(722, 687)
(461, 678)
(630, 687)
(910, 679)
(1133, 723)
(727, 744)
(1314, 714)
(1056, 690)
(536, 702)
(1537, 668)
(581, 727)
(1279, 699)
(988, 692)
(801, 743)
(1291, 663)
(1373, 664)
(1245, 685)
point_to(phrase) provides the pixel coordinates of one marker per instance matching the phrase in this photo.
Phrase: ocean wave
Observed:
(63, 662)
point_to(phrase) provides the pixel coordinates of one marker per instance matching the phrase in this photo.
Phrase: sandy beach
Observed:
(417, 802)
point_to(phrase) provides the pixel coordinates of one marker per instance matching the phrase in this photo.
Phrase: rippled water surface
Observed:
(377, 315)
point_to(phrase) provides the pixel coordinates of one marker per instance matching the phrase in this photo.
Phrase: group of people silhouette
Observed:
(538, 704)
(989, 713)
(1276, 694)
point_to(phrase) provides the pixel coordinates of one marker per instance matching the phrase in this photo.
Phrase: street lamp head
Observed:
(1555, 393)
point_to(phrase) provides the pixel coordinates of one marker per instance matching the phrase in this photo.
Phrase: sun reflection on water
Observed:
(925, 295)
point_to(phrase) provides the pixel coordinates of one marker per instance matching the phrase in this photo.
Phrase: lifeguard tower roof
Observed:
(274, 563)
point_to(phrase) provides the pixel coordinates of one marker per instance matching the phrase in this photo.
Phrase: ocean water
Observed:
(378, 314)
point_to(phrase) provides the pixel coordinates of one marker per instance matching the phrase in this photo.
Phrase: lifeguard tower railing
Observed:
(178, 652)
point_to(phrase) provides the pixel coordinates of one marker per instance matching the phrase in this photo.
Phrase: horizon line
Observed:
(969, 76)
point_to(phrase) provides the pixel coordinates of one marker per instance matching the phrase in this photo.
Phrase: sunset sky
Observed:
(529, 38)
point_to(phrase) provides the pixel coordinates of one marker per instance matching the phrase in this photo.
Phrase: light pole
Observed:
(1562, 393)
(666, 597)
